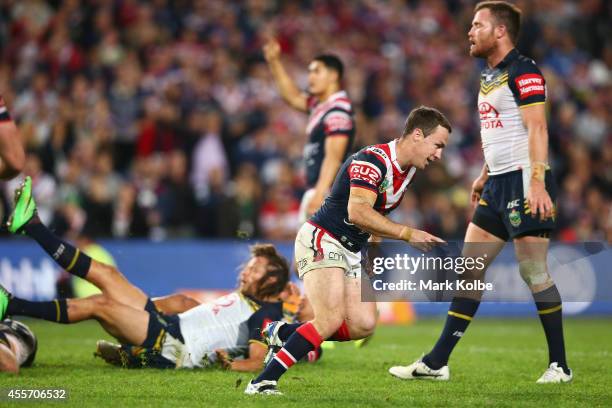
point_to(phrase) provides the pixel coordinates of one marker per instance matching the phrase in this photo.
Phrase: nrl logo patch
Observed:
(515, 218)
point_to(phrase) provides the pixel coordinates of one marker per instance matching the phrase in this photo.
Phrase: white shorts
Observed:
(315, 248)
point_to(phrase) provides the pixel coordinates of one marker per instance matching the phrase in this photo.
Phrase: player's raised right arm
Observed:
(362, 214)
(288, 89)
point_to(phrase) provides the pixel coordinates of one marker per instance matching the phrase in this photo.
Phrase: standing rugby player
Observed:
(514, 192)
(331, 127)
(370, 184)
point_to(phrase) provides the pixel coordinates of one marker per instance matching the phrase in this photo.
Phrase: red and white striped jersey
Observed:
(374, 168)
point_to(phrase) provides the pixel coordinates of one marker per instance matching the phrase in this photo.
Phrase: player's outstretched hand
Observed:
(271, 49)
(424, 241)
(477, 187)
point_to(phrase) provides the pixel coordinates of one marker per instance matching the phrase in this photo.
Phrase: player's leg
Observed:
(531, 252)
(175, 304)
(326, 293)
(433, 365)
(124, 322)
(479, 243)
(323, 277)
(25, 220)
(361, 316)
(115, 285)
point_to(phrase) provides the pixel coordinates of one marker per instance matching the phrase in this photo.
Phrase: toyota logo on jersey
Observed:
(487, 111)
(362, 170)
(489, 116)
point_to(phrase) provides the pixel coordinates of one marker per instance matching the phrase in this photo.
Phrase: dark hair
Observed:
(427, 119)
(505, 14)
(277, 274)
(331, 62)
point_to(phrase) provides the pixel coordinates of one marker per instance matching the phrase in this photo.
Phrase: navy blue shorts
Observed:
(148, 355)
(503, 210)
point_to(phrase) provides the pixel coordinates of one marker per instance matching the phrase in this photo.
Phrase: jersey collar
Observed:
(392, 146)
(511, 56)
(340, 94)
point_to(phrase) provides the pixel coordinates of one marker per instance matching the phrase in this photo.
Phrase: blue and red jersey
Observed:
(332, 118)
(374, 168)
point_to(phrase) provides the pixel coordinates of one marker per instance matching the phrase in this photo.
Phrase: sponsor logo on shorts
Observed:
(335, 256)
(302, 263)
(513, 204)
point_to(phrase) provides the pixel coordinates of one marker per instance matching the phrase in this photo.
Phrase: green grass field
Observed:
(496, 364)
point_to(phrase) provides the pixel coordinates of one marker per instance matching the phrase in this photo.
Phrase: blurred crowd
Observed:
(159, 119)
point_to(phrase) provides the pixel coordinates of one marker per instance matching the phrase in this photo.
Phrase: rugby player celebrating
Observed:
(331, 127)
(369, 185)
(153, 335)
(513, 191)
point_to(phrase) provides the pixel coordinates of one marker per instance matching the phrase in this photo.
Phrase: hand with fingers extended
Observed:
(271, 49)
(539, 201)
(420, 240)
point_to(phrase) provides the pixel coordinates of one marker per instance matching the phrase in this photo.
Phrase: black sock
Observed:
(548, 303)
(460, 314)
(287, 330)
(64, 254)
(53, 311)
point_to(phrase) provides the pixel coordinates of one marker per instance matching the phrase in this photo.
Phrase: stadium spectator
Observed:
(75, 71)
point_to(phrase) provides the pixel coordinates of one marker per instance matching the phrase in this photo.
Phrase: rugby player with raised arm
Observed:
(514, 193)
(370, 184)
(331, 126)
